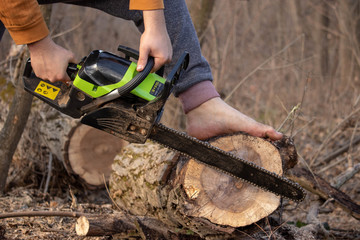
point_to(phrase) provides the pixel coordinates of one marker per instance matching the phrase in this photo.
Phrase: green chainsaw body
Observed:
(106, 86)
(103, 72)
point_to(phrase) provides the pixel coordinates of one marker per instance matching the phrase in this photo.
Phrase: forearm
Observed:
(154, 20)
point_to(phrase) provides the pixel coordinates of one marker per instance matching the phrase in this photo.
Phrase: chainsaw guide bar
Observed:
(226, 162)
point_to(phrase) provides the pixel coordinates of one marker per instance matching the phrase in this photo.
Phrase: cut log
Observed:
(86, 153)
(225, 200)
(150, 180)
(124, 226)
(102, 225)
(89, 153)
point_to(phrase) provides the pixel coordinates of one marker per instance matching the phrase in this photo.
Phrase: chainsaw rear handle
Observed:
(70, 70)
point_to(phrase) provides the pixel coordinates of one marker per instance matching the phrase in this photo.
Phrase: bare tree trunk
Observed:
(14, 124)
(201, 14)
(18, 114)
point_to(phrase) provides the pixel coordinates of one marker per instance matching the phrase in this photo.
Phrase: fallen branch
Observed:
(43, 214)
(103, 225)
(331, 134)
(346, 176)
(339, 151)
(317, 185)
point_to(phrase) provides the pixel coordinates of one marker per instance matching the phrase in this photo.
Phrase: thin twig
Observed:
(67, 31)
(108, 192)
(290, 115)
(43, 214)
(338, 152)
(346, 176)
(329, 136)
(308, 79)
(302, 128)
(49, 173)
(328, 166)
(261, 65)
(350, 159)
(309, 168)
(287, 65)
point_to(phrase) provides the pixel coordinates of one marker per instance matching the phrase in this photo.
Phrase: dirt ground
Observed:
(334, 221)
(27, 199)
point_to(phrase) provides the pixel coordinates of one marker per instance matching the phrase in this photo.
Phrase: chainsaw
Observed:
(107, 93)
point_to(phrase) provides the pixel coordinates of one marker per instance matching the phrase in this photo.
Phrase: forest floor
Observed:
(26, 199)
(333, 221)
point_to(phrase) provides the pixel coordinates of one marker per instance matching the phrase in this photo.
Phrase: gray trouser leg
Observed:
(180, 28)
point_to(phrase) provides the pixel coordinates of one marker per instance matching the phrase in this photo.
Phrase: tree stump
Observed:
(185, 195)
(86, 153)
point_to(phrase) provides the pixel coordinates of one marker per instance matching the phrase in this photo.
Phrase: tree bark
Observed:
(185, 195)
(15, 122)
(18, 114)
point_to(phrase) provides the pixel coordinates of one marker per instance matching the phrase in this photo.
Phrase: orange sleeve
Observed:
(23, 19)
(146, 4)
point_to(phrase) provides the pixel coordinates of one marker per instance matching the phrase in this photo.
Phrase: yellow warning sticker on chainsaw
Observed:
(47, 90)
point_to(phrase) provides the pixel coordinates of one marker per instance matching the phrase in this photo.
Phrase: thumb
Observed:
(72, 58)
(143, 57)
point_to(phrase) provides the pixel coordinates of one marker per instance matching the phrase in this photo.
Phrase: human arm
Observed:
(25, 23)
(155, 40)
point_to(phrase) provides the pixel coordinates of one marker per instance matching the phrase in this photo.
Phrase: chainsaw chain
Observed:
(230, 155)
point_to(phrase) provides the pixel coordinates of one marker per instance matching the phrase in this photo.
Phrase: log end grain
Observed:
(82, 226)
(91, 152)
(225, 200)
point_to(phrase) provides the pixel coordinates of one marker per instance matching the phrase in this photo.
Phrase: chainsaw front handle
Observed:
(139, 78)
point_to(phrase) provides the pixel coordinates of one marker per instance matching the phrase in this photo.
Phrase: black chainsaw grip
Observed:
(139, 78)
(28, 69)
(70, 70)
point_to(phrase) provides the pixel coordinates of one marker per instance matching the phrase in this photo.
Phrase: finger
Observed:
(158, 63)
(72, 58)
(143, 57)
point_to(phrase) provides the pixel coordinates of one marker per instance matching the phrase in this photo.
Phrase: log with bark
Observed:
(86, 153)
(187, 196)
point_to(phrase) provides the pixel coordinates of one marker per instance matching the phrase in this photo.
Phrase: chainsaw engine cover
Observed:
(103, 72)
